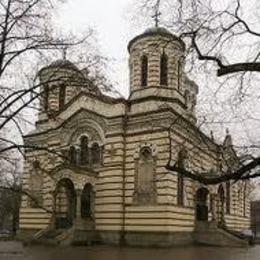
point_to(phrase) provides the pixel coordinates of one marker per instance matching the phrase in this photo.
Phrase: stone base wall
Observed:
(159, 239)
(209, 234)
(146, 239)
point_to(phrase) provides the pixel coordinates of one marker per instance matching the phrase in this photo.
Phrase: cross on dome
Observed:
(64, 52)
(156, 16)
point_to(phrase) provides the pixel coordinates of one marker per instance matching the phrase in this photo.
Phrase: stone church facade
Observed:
(100, 175)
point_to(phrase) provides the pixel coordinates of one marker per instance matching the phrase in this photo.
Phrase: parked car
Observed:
(4, 233)
(247, 233)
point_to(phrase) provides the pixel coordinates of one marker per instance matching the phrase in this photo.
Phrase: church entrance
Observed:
(65, 203)
(201, 204)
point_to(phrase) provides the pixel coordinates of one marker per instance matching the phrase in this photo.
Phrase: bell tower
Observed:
(157, 60)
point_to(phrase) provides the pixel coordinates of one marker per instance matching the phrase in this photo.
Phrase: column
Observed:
(53, 209)
(78, 220)
(214, 207)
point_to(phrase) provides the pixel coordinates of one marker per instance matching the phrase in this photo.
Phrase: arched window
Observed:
(179, 74)
(221, 204)
(65, 203)
(228, 197)
(36, 184)
(46, 97)
(244, 199)
(201, 204)
(87, 201)
(180, 181)
(144, 182)
(73, 155)
(96, 153)
(193, 102)
(164, 70)
(62, 96)
(186, 97)
(84, 151)
(144, 71)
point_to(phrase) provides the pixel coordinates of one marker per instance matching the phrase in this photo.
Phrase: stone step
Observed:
(211, 235)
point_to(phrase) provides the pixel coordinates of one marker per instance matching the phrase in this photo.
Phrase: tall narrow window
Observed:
(36, 184)
(186, 97)
(179, 74)
(96, 153)
(87, 201)
(46, 97)
(144, 180)
(244, 199)
(164, 70)
(84, 152)
(62, 95)
(144, 71)
(193, 102)
(180, 181)
(228, 197)
(73, 155)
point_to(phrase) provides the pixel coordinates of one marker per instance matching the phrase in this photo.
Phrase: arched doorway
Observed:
(87, 202)
(220, 205)
(65, 203)
(201, 204)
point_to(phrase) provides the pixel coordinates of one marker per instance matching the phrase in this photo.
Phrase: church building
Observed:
(99, 173)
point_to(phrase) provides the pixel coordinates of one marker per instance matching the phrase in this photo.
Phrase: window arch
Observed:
(73, 155)
(96, 153)
(144, 70)
(146, 154)
(84, 151)
(62, 96)
(164, 70)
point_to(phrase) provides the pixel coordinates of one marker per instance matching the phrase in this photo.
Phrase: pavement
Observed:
(11, 247)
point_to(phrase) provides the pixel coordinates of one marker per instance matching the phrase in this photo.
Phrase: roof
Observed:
(156, 31)
(61, 63)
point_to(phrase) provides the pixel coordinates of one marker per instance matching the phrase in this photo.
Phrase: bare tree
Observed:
(222, 38)
(28, 39)
(212, 28)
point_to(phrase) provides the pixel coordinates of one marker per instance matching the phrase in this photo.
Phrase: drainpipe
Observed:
(125, 120)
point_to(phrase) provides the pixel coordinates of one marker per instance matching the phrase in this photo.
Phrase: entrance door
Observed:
(201, 204)
(65, 204)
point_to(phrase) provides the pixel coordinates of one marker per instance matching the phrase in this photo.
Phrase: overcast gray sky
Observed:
(115, 25)
(111, 21)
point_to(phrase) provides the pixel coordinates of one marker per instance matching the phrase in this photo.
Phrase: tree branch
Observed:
(241, 173)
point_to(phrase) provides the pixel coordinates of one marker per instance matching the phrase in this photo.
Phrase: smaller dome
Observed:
(57, 66)
(66, 64)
